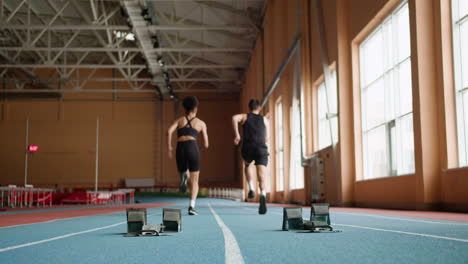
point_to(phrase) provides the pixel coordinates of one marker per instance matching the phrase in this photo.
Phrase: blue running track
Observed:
(366, 238)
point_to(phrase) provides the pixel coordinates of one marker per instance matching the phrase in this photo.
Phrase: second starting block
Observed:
(319, 219)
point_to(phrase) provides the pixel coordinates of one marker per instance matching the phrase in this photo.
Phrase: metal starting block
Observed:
(172, 219)
(292, 219)
(151, 230)
(319, 219)
(136, 219)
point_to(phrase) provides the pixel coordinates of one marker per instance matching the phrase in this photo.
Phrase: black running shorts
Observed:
(187, 156)
(257, 153)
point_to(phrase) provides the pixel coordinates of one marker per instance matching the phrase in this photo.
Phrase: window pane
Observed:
(391, 95)
(373, 63)
(405, 139)
(463, 126)
(393, 146)
(324, 126)
(403, 34)
(405, 88)
(322, 102)
(460, 43)
(377, 153)
(297, 173)
(334, 122)
(279, 122)
(388, 55)
(279, 147)
(463, 8)
(375, 107)
(464, 53)
(365, 155)
(333, 93)
(281, 172)
(324, 133)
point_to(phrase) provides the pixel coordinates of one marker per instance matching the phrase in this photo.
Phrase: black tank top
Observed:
(187, 130)
(254, 130)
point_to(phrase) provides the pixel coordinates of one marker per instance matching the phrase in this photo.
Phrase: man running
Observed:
(254, 147)
(187, 153)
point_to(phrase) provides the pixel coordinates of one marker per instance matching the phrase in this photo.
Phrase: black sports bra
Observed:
(187, 130)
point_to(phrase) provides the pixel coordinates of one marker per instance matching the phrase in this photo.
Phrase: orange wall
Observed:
(66, 134)
(454, 186)
(132, 140)
(346, 22)
(398, 190)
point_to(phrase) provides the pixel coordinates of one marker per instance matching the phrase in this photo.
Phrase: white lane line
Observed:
(403, 219)
(63, 236)
(392, 231)
(59, 237)
(387, 217)
(231, 248)
(406, 233)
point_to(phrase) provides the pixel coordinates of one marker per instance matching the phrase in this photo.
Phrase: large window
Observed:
(279, 148)
(327, 113)
(297, 171)
(386, 98)
(460, 45)
(269, 144)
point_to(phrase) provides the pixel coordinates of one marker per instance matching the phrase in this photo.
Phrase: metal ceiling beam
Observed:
(117, 49)
(126, 28)
(119, 66)
(56, 80)
(17, 91)
(172, 19)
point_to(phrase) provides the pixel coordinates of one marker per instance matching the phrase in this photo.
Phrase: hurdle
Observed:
(226, 193)
(13, 196)
(131, 195)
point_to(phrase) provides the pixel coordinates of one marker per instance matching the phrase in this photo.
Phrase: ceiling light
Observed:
(124, 35)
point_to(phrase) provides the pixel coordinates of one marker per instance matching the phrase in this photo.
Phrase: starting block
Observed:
(172, 219)
(319, 219)
(136, 219)
(292, 219)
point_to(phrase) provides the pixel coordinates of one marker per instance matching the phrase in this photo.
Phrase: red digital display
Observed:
(33, 148)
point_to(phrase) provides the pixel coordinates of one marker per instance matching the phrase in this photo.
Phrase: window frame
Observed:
(460, 91)
(317, 85)
(296, 178)
(390, 70)
(279, 148)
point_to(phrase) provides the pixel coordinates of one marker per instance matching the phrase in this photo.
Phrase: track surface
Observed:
(232, 232)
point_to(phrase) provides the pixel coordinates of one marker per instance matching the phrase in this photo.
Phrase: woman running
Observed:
(187, 154)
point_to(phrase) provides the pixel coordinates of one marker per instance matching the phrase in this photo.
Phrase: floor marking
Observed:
(59, 237)
(231, 248)
(53, 220)
(392, 218)
(407, 233)
(63, 236)
(68, 218)
(392, 231)
(404, 219)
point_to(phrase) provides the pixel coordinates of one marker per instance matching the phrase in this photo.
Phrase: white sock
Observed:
(192, 203)
(263, 193)
(251, 186)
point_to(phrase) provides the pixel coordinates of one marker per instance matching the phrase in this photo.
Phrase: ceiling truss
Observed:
(62, 45)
